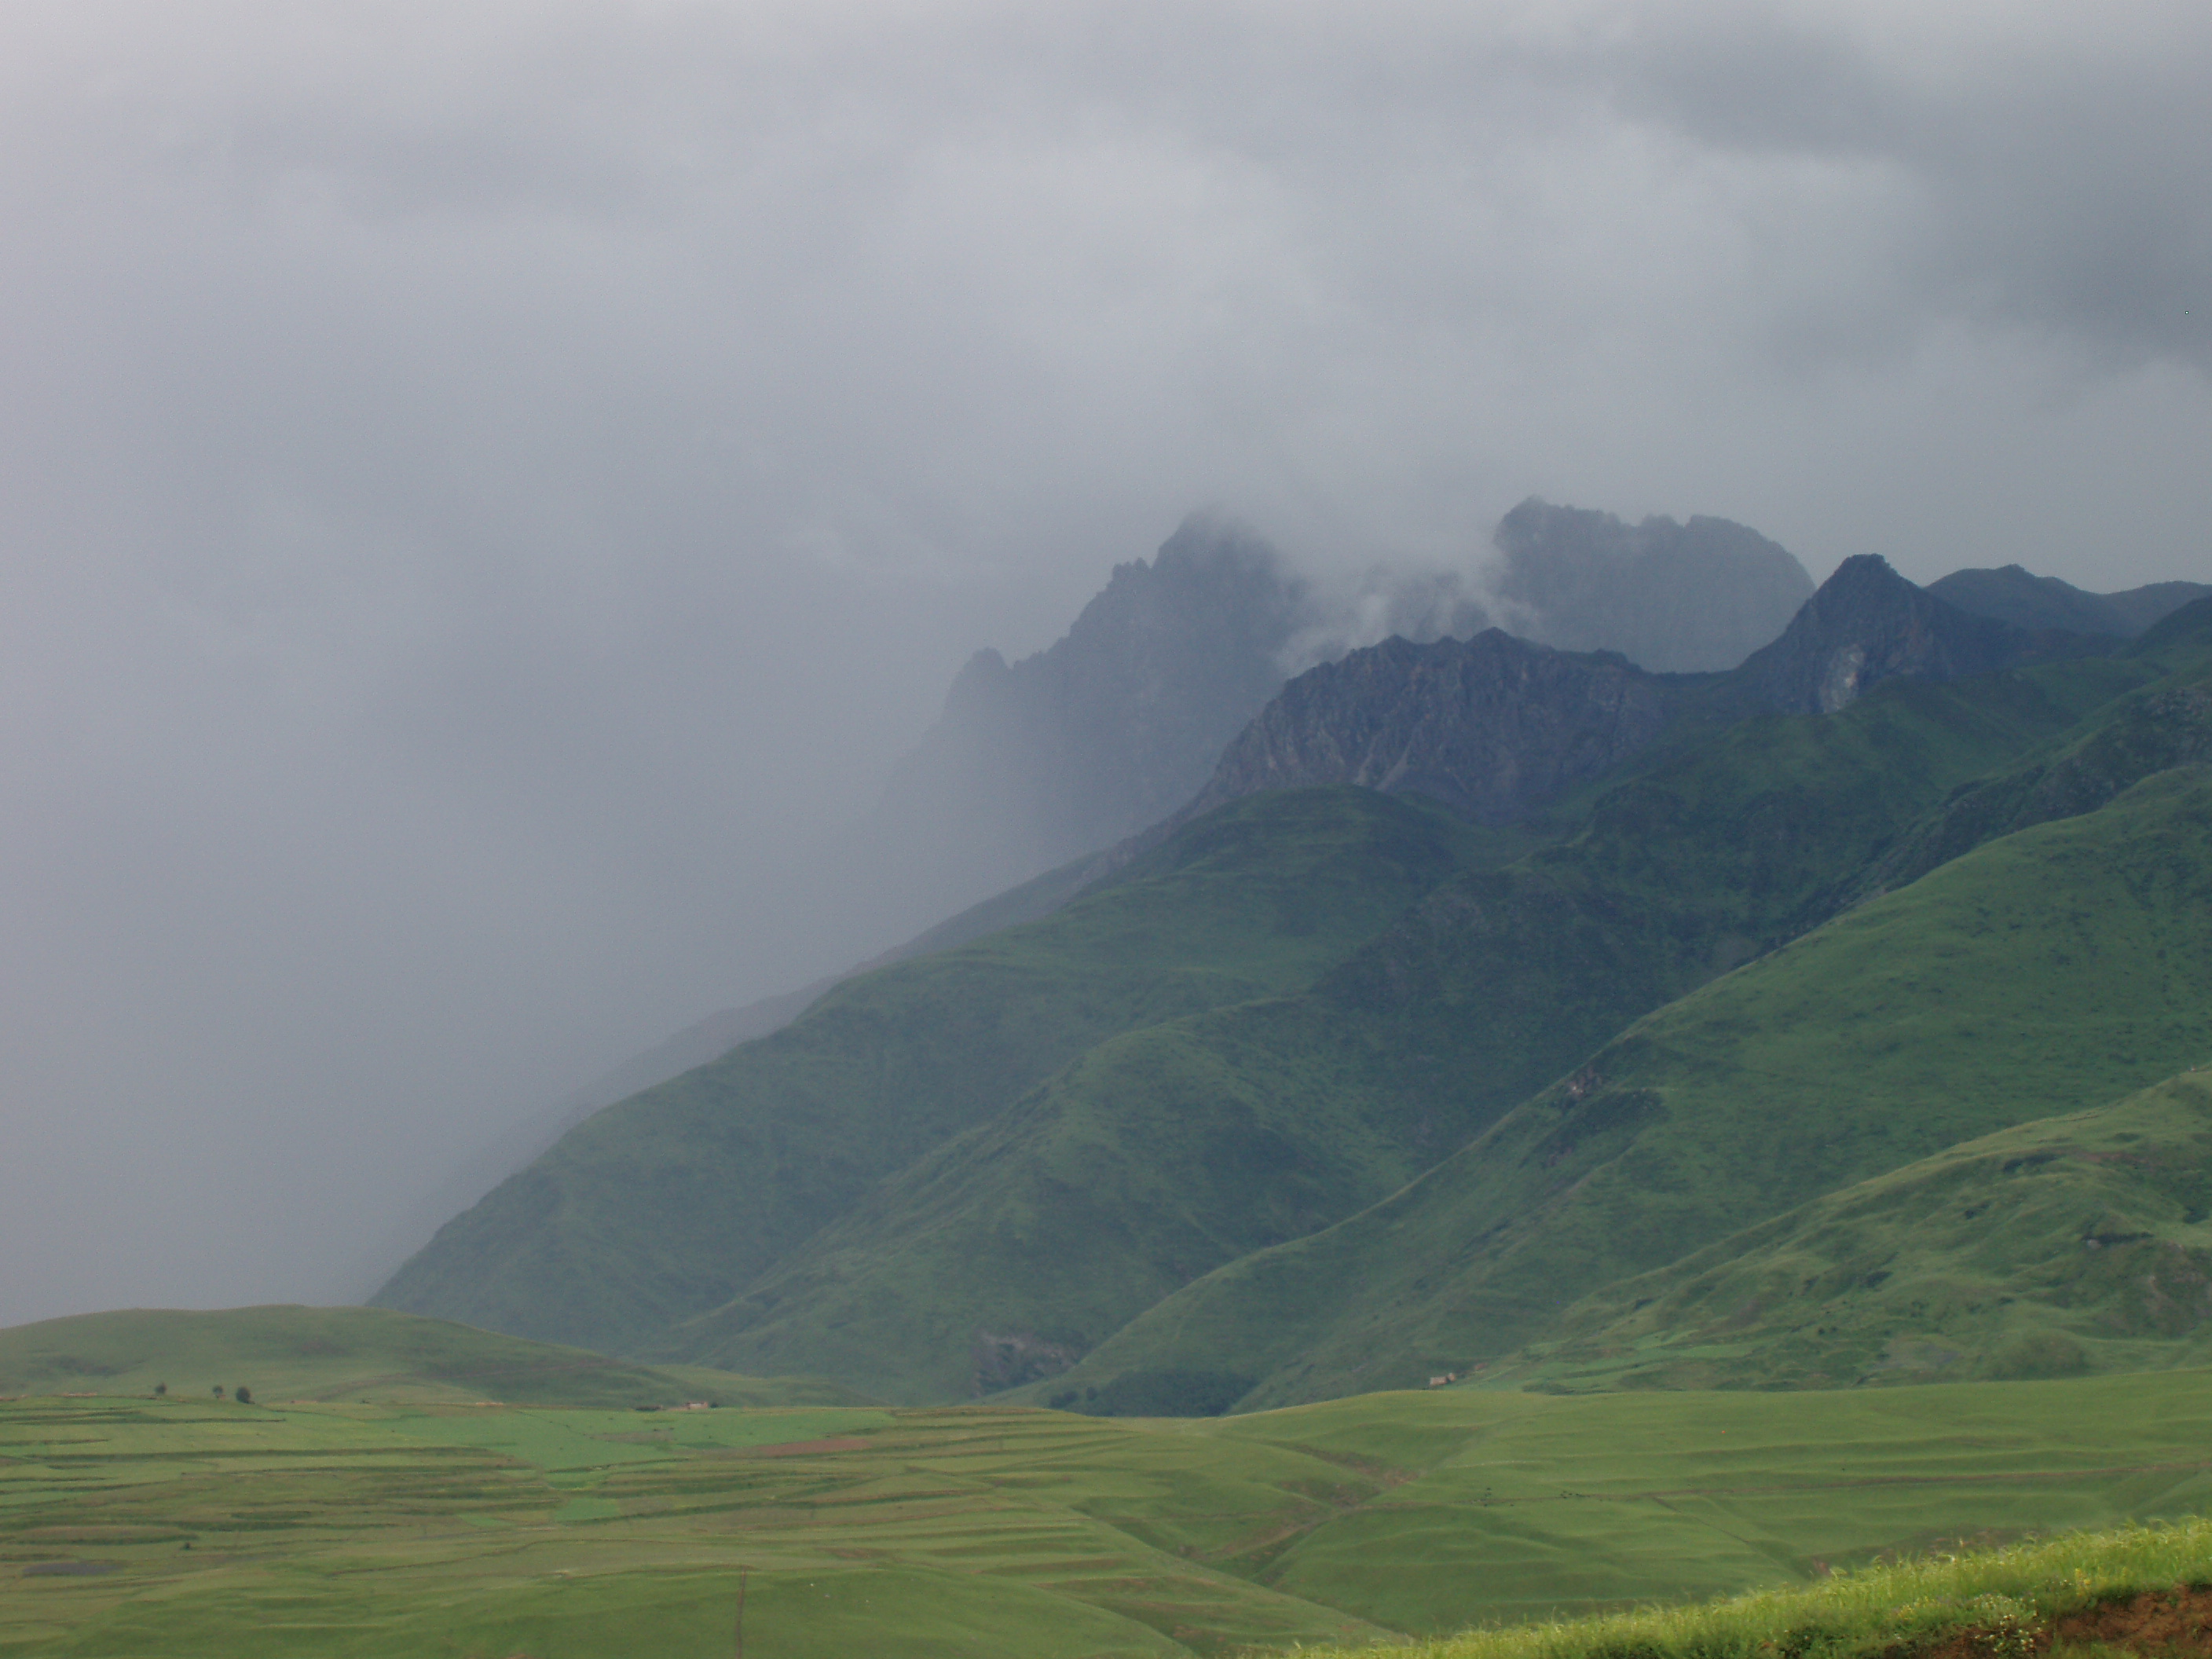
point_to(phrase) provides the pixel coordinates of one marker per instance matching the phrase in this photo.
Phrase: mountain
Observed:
(1867, 624)
(2073, 1243)
(1035, 765)
(1121, 722)
(2062, 964)
(2014, 595)
(1492, 727)
(1672, 598)
(674, 1200)
(1501, 729)
(1249, 1080)
(1006, 1253)
(972, 1168)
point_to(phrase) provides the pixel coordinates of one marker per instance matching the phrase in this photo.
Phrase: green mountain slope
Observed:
(287, 1352)
(2062, 965)
(1167, 1151)
(674, 1201)
(2073, 1243)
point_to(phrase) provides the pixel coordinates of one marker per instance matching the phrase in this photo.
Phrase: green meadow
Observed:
(186, 1526)
(295, 1353)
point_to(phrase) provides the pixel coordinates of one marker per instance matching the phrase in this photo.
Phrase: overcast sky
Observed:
(485, 484)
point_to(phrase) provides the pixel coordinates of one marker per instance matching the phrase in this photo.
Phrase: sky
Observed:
(487, 487)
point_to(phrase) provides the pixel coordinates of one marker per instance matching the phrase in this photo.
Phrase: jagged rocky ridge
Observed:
(1499, 728)
(1121, 721)
(1490, 726)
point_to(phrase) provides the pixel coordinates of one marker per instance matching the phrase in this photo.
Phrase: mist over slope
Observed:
(973, 1169)
(1120, 721)
(1033, 764)
(674, 1202)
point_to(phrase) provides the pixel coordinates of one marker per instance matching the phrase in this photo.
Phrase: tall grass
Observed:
(2009, 1596)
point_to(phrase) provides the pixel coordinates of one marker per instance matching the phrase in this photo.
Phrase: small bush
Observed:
(1169, 1393)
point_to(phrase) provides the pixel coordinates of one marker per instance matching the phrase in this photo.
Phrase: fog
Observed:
(488, 487)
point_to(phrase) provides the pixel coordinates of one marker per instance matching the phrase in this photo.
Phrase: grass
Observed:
(2006, 1602)
(1167, 1151)
(2074, 1243)
(187, 1528)
(671, 1202)
(2059, 968)
(360, 1354)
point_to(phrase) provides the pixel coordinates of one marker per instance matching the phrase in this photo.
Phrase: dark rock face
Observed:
(1492, 727)
(2012, 594)
(1672, 598)
(1868, 625)
(1497, 727)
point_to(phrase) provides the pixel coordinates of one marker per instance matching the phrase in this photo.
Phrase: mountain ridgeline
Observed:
(1476, 999)
(1035, 765)
(1119, 723)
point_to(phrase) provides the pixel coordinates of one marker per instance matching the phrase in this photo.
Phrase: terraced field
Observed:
(130, 1527)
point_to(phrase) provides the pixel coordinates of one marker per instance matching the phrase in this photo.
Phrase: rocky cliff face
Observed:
(1498, 727)
(1672, 598)
(1492, 726)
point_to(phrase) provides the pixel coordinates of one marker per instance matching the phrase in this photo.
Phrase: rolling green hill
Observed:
(671, 1202)
(2061, 966)
(352, 1354)
(2081, 1242)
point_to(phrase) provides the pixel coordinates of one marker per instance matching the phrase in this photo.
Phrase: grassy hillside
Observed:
(2073, 1243)
(672, 1202)
(2166, 725)
(351, 1354)
(2060, 967)
(1165, 1152)
(959, 1174)
(2088, 1595)
(188, 1529)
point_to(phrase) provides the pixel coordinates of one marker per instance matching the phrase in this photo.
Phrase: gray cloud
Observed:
(2052, 176)
(489, 486)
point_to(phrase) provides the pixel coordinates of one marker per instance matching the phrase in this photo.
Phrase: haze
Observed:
(490, 488)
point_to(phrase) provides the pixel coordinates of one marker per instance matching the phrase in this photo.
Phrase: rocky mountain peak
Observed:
(1493, 727)
(1866, 624)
